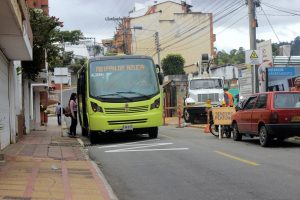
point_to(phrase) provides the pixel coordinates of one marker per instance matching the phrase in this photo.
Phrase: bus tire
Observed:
(84, 132)
(153, 132)
(92, 137)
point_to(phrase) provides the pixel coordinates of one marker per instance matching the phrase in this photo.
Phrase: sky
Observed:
(278, 20)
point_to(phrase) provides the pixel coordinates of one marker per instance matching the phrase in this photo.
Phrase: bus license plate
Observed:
(295, 119)
(127, 127)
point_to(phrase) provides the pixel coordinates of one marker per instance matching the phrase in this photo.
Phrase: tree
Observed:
(43, 29)
(295, 49)
(235, 56)
(46, 36)
(78, 63)
(173, 64)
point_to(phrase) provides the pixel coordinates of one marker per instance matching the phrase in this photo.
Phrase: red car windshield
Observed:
(287, 100)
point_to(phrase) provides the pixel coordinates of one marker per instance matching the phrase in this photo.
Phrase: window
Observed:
(250, 103)
(261, 101)
(287, 100)
(123, 79)
(206, 84)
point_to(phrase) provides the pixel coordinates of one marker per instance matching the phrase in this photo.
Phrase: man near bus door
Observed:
(228, 98)
(296, 85)
(73, 108)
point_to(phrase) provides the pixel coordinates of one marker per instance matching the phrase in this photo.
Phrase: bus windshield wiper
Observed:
(114, 94)
(132, 92)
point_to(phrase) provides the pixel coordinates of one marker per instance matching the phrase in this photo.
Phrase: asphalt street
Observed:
(185, 163)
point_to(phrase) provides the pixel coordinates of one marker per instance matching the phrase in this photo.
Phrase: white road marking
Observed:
(126, 144)
(137, 146)
(124, 150)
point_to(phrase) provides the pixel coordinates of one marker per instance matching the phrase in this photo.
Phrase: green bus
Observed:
(120, 93)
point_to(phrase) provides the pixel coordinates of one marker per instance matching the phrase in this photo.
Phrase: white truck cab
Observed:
(202, 90)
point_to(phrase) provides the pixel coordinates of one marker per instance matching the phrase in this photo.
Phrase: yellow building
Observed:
(180, 31)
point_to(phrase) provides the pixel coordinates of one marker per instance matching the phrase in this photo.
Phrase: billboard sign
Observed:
(266, 49)
(282, 78)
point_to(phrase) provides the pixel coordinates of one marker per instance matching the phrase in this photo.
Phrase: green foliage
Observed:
(78, 64)
(69, 36)
(238, 56)
(43, 28)
(46, 35)
(234, 57)
(173, 64)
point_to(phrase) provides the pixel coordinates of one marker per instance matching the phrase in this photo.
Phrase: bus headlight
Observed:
(156, 104)
(96, 108)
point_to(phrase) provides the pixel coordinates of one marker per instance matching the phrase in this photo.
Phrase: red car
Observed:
(268, 115)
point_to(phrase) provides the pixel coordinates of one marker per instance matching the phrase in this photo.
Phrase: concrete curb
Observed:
(108, 188)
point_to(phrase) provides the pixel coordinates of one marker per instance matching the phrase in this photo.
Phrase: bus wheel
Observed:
(92, 137)
(84, 132)
(153, 132)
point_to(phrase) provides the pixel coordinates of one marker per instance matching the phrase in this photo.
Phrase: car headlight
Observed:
(96, 108)
(156, 104)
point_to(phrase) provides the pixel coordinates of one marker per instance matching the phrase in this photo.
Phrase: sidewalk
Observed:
(174, 121)
(44, 165)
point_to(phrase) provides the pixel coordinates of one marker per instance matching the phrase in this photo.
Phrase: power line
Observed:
(270, 24)
(280, 9)
(230, 12)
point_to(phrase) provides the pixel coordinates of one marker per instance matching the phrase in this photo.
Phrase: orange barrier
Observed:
(179, 113)
(206, 130)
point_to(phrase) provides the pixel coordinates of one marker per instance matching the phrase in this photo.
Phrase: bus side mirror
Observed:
(160, 75)
(160, 78)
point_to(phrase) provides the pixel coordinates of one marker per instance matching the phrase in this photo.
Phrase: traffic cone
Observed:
(206, 130)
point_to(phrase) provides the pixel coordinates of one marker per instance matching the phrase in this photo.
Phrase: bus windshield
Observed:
(123, 80)
(206, 84)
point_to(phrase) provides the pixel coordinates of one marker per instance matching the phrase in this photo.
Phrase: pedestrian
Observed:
(296, 84)
(73, 108)
(58, 113)
(228, 98)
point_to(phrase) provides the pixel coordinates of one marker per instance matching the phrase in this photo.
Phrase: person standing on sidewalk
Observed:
(58, 113)
(73, 108)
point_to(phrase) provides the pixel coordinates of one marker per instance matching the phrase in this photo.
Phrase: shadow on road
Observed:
(289, 143)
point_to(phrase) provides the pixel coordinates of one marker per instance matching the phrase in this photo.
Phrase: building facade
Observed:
(180, 31)
(15, 45)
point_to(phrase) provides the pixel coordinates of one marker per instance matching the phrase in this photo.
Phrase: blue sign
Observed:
(281, 71)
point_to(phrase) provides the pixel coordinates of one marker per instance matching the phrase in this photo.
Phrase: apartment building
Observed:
(15, 45)
(179, 30)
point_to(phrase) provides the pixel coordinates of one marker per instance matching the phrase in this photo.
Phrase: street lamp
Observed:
(157, 44)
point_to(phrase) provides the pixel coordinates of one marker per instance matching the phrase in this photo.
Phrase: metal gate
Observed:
(4, 104)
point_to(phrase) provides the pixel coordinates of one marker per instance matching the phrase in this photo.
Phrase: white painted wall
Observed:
(26, 88)
(4, 103)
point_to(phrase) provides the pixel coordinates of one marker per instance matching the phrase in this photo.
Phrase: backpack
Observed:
(67, 111)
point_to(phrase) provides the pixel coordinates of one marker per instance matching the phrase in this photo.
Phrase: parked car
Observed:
(268, 115)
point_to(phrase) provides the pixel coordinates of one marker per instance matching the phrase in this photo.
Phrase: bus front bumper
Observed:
(101, 122)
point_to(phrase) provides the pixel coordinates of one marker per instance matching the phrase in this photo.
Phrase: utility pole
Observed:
(252, 23)
(157, 47)
(252, 33)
